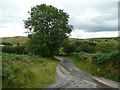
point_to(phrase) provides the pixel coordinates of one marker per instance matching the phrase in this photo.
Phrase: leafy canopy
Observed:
(47, 28)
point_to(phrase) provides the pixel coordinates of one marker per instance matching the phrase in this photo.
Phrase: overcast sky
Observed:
(89, 19)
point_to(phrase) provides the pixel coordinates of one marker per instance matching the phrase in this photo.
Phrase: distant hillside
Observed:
(15, 40)
(22, 40)
(97, 39)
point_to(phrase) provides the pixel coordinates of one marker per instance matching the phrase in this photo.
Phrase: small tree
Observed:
(68, 47)
(47, 28)
(85, 47)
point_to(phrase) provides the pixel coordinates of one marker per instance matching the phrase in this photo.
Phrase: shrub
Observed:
(68, 47)
(19, 50)
(85, 47)
(77, 43)
(81, 55)
(7, 49)
(14, 50)
(99, 58)
(115, 56)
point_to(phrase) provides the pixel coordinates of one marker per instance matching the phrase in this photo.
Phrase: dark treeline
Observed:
(17, 49)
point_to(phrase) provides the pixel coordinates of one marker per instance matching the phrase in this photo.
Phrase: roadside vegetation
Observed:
(27, 71)
(104, 62)
(99, 64)
(100, 57)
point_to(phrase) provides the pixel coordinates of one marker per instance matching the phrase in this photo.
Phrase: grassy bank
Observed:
(24, 71)
(108, 69)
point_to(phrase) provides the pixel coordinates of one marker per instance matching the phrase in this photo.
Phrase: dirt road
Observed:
(72, 77)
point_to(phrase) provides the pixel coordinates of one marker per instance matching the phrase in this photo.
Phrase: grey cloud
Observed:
(10, 14)
(96, 26)
(107, 21)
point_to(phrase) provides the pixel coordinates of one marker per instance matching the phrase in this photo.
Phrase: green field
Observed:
(96, 40)
(14, 40)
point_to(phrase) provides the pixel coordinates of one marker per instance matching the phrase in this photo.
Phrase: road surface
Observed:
(69, 76)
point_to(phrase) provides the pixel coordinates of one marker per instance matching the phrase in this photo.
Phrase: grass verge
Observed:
(24, 71)
(106, 70)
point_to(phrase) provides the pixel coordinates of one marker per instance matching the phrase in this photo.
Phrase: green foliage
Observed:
(85, 47)
(78, 46)
(7, 49)
(77, 43)
(115, 58)
(14, 49)
(68, 47)
(102, 58)
(48, 27)
(105, 47)
(23, 71)
(106, 65)
(81, 55)
(19, 49)
(6, 43)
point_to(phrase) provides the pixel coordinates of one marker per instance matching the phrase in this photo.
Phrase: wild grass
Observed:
(23, 71)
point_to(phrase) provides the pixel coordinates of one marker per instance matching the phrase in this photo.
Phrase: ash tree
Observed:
(47, 28)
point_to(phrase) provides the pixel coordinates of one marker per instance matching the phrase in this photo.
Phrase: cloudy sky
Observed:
(98, 18)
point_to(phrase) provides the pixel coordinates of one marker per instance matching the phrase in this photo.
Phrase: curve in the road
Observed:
(73, 76)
